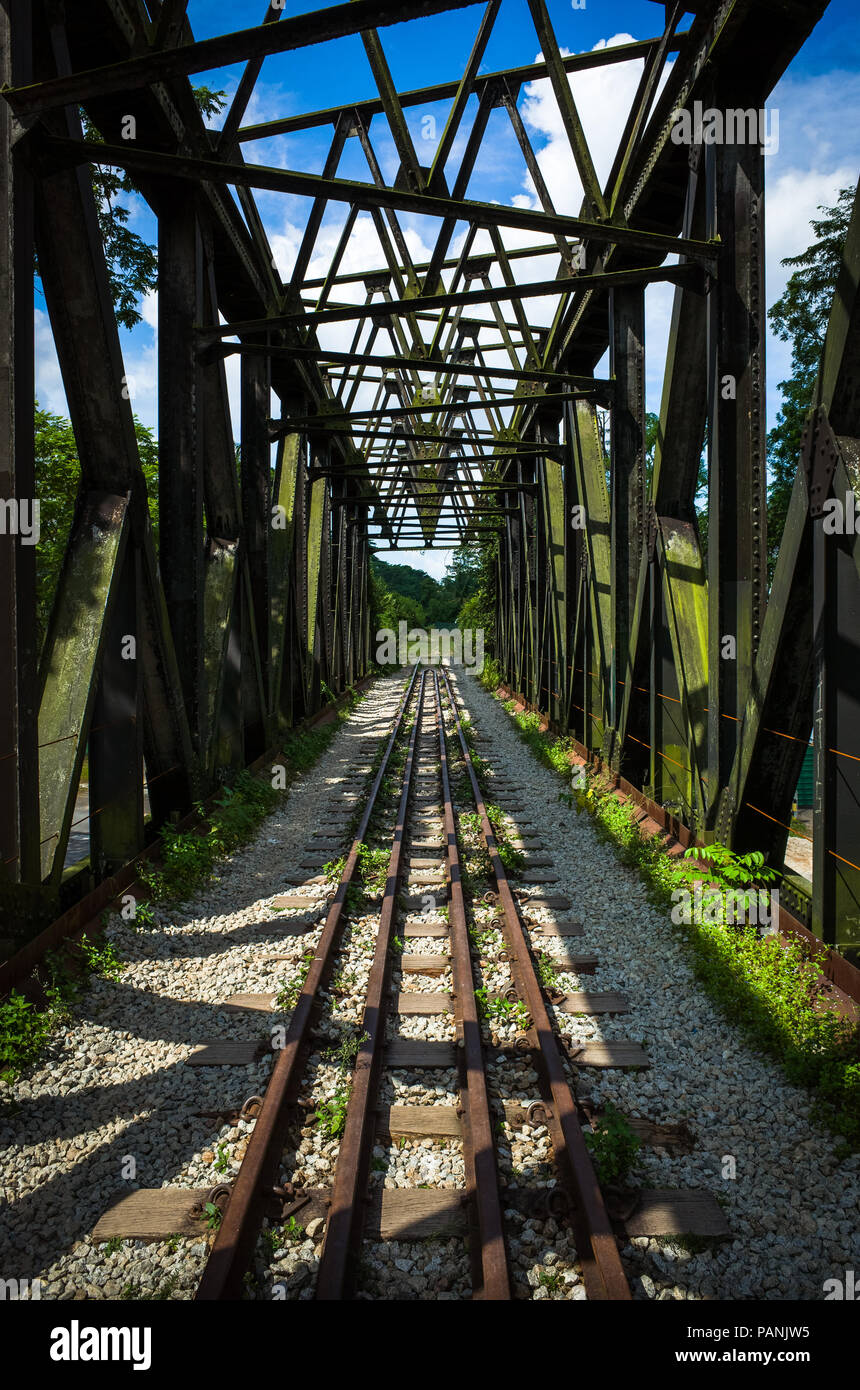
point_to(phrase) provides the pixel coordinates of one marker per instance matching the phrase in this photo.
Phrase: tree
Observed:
(800, 317)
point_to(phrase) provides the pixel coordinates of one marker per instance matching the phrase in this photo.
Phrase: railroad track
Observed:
(412, 1057)
(412, 1127)
(438, 907)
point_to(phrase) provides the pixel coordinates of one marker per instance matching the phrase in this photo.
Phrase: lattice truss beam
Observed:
(423, 397)
(423, 446)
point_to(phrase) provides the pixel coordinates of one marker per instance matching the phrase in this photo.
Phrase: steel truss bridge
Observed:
(448, 417)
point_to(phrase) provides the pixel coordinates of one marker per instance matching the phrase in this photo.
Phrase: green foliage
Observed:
(331, 1114)
(333, 869)
(547, 971)
(24, 1030)
(491, 676)
(485, 940)
(133, 1292)
(505, 1010)
(276, 1237)
(552, 750)
(346, 1050)
(212, 1215)
(144, 916)
(412, 595)
(769, 990)
(101, 960)
(613, 1147)
(343, 982)
(188, 857)
(800, 317)
(373, 868)
(289, 991)
(132, 263)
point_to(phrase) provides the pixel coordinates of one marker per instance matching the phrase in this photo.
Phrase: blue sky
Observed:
(818, 102)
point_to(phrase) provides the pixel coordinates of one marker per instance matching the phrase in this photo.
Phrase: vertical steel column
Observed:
(180, 492)
(627, 464)
(256, 492)
(19, 757)
(836, 720)
(540, 595)
(116, 738)
(736, 455)
(555, 531)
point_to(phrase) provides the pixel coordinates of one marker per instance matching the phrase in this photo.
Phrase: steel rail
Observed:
(234, 1244)
(603, 1274)
(347, 1210)
(479, 1150)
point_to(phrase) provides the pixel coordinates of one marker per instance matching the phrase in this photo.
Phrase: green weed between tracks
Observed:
(771, 991)
(613, 1146)
(188, 859)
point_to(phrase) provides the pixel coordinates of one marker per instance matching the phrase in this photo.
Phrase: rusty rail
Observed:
(234, 1244)
(603, 1273)
(479, 1151)
(346, 1214)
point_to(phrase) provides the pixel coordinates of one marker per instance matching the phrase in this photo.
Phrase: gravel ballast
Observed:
(113, 1105)
(793, 1205)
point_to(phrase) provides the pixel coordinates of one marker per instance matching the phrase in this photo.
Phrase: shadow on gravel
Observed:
(44, 1224)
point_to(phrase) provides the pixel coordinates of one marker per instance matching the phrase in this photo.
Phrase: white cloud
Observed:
(603, 98)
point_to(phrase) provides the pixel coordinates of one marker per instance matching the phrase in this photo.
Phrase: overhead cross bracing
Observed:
(467, 307)
(419, 366)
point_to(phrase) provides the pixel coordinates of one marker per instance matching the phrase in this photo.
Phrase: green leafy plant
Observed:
(547, 972)
(373, 868)
(144, 916)
(613, 1146)
(333, 869)
(25, 1028)
(505, 1010)
(222, 1162)
(331, 1114)
(346, 1050)
(288, 993)
(212, 1215)
(101, 959)
(343, 981)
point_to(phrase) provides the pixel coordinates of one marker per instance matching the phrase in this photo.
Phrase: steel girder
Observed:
(256, 592)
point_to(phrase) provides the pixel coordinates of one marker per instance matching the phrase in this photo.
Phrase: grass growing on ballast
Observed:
(771, 991)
